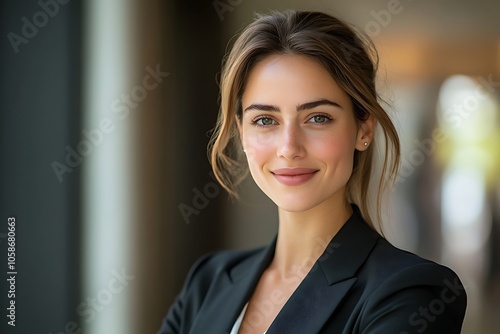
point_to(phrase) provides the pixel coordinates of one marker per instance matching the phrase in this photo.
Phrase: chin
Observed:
(301, 201)
(296, 204)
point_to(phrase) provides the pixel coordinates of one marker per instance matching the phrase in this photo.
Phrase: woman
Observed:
(298, 99)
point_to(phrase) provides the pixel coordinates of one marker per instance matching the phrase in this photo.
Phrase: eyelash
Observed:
(258, 118)
(327, 117)
(255, 121)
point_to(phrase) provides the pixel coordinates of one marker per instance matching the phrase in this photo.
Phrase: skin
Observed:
(320, 136)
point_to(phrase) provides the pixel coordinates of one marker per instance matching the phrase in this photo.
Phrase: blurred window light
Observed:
(463, 196)
(466, 109)
(467, 113)
(468, 116)
(465, 212)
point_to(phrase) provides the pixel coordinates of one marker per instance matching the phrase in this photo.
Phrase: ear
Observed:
(365, 133)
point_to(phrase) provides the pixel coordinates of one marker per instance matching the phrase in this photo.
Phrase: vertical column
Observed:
(108, 204)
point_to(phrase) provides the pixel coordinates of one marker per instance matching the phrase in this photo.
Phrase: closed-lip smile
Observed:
(293, 176)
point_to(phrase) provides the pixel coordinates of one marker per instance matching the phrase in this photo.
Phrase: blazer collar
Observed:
(315, 299)
(253, 267)
(231, 291)
(348, 249)
(329, 281)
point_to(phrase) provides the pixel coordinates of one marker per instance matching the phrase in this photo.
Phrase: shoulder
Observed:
(214, 263)
(387, 263)
(217, 261)
(421, 293)
(202, 277)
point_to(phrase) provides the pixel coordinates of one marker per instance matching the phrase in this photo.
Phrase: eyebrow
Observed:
(300, 107)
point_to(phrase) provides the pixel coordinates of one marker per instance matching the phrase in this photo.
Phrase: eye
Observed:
(264, 121)
(320, 119)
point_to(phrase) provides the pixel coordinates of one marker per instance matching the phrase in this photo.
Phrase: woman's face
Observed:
(299, 132)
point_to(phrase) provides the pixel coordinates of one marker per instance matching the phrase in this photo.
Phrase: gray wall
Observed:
(39, 116)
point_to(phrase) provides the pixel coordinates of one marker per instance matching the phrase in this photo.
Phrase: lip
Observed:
(293, 176)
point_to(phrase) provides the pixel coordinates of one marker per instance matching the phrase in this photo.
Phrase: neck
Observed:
(304, 236)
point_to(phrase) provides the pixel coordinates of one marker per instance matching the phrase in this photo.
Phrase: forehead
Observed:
(291, 79)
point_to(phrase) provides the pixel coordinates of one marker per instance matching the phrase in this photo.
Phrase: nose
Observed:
(290, 143)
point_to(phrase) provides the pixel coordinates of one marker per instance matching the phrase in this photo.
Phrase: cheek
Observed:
(258, 145)
(258, 152)
(336, 148)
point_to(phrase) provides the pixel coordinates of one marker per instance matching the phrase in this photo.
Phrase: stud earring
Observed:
(366, 144)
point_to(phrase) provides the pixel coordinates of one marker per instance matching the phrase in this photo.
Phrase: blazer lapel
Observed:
(329, 281)
(310, 306)
(230, 293)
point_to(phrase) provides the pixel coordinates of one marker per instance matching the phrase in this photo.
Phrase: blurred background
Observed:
(105, 113)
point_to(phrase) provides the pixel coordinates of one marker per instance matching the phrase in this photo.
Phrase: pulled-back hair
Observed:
(352, 61)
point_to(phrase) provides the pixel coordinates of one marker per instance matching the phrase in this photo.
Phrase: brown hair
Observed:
(349, 57)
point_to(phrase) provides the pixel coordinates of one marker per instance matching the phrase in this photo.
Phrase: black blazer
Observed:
(361, 284)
